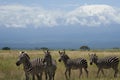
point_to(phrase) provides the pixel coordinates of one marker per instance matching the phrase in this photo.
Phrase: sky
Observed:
(59, 23)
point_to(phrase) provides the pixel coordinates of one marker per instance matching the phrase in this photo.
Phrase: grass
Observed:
(9, 71)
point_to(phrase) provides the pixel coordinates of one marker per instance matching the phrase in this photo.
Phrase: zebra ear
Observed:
(88, 54)
(44, 52)
(96, 55)
(21, 52)
(48, 51)
(59, 52)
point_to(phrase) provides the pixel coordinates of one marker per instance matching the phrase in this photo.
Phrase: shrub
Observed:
(84, 48)
(5, 48)
(44, 48)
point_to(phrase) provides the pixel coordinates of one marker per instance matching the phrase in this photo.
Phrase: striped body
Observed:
(77, 63)
(105, 63)
(50, 65)
(37, 65)
(33, 67)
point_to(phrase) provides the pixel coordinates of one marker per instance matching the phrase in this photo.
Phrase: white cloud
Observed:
(87, 15)
(22, 16)
(94, 15)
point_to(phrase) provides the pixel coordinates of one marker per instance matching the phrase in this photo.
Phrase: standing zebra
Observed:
(34, 67)
(50, 65)
(77, 63)
(105, 63)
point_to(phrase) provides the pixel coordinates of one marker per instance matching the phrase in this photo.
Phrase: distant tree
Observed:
(116, 48)
(44, 48)
(84, 48)
(5, 48)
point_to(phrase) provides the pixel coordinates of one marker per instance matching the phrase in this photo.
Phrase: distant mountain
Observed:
(61, 37)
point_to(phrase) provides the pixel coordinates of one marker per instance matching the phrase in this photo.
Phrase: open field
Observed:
(9, 70)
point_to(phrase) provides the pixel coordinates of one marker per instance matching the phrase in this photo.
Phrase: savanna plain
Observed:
(9, 70)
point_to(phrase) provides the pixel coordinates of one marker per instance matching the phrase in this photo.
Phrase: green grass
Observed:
(9, 70)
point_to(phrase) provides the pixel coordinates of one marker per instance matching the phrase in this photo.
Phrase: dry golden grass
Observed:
(9, 71)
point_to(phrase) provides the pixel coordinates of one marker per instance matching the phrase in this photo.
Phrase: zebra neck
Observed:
(96, 62)
(65, 62)
(27, 65)
(49, 63)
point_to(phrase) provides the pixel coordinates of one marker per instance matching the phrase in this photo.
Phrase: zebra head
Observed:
(63, 56)
(22, 58)
(93, 58)
(47, 58)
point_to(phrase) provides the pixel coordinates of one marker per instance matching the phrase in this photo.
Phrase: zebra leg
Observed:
(98, 71)
(116, 71)
(50, 75)
(46, 75)
(102, 72)
(69, 73)
(86, 71)
(66, 74)
(27, 76)
(39, 77)
(80, 72)
(33, 77)
(53, 75)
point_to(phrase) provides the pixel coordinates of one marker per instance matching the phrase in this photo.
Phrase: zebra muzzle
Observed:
(17, 63)
(59, 60)
(90, 63)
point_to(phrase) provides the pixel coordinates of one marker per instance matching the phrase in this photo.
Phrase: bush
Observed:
(84, 48)
(44, 48)
(5, 48)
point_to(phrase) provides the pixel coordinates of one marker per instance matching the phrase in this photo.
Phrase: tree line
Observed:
(45, 48)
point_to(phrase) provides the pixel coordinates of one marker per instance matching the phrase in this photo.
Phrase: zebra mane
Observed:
(66, 56)
(25, 54)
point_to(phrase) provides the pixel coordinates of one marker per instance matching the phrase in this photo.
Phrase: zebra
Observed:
(105, 63)
(73, 64)
(50, 65)
(34, 67)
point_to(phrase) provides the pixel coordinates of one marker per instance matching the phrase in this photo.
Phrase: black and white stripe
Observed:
(105, 63)
(50, 65)
(33, 67)
(77, 63)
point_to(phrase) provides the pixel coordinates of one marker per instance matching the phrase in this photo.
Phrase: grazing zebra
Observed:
(34, 67)
(77, 63)
(50, 65)
(105, 63)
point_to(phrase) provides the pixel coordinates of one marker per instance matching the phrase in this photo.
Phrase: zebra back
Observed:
(38, 66)
(78, 62)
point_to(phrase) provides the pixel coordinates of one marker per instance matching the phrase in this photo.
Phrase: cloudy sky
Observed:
(59, 23)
